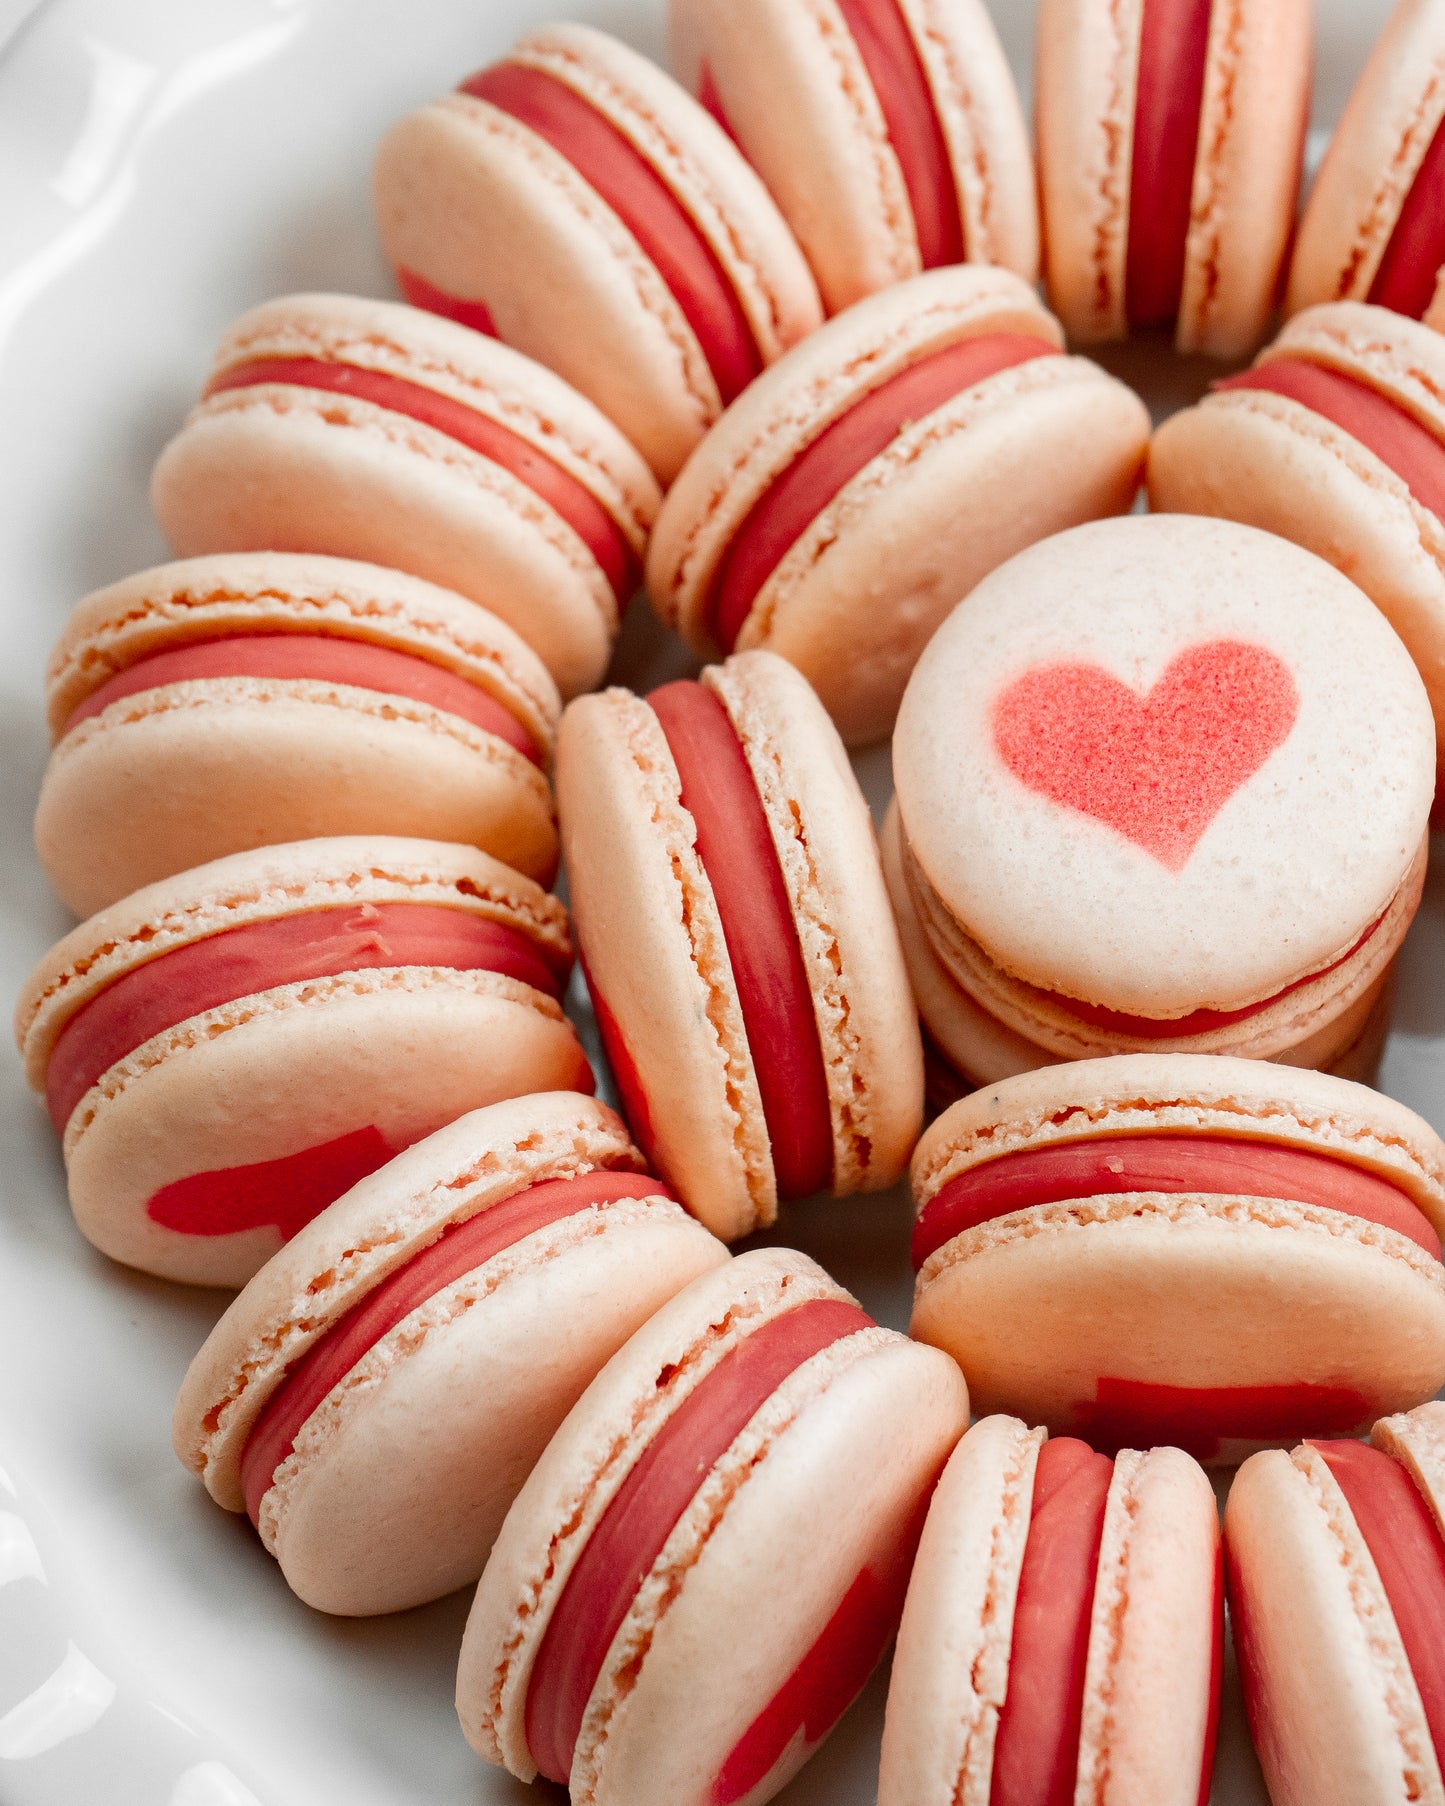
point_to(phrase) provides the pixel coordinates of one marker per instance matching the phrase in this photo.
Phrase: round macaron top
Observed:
(1165, 764)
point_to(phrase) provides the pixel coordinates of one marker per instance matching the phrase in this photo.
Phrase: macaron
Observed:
(226, 1052)
(889, 131)
(1170, 143)
(842, 507)
(1163, 786)
(737, 941)
(1063, 1637)
(369, 430)
(728, 1515)
(1336, 440)
(377, 1394)
(224, 703)
(1204, 1251)
(577, 202)
(1336, 1570)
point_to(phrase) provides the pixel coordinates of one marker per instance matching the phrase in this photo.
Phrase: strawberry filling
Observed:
(433, 300)
(282, 1194)
(1197, 1419)
(630, 1535)
(325, 659)
(459, 1250)
(1405, 280)
(736, 848)
(1116, 1164)
(1414, 454)
(1169, 97)
(557, 487)
(788, 507)
(644, 203)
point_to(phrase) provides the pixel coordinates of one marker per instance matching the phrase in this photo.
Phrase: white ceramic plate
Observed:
(164, 165)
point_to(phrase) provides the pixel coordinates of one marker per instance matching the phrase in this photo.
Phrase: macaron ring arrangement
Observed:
(1108, 986)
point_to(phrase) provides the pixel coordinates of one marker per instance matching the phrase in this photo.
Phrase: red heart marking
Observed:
(1156, 768)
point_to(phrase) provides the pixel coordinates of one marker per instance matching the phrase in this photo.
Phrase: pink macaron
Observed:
(738, 942)
(1205, 1251)
(1163, 784)
(225, 703)
(1063, 1636)
(226, 1052)
(1170, 141)
(1336, 1561)
(577, 202)
(369, 430)
(869, 480)
(375, 1397)
(889, 131)
(728, 1515)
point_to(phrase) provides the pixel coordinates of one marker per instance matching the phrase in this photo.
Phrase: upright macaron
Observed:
(1170, 142)
(729, 1514)
(1209, 1252)
(1064, 1631)
(369, 430)
(226, 1052)
(1164, 784)
(225, 703)
(375, 1397)
(577, 202)
(1336, 1562)
(738, 942)
(869, 480)
(889, 131)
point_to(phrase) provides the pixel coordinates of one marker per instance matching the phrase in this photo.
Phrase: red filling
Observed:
(321, 943)
(630, 1535)
(631, 1090)
(737, 853)
(891, 58)
(1216, 1678)
(643, 202)
(1415, 455)
(1036, 1756)
(1143, 1413)
(1405, 280)
(1173, 47)
(355, 662)
(282, 1194)
(459, 1250)
(421, 293)
(1163, 1163)
(561, 491)
(711, 100)
(786, 510)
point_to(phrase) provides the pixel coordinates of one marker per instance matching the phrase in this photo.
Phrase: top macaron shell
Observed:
(281, 467)
(793, 86)
(485, 210)
(1311, 839)
(186, 772)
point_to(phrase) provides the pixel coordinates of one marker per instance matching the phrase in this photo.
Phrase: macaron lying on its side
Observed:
(862, 486)
(577, 202)
(376, 1396)
(711, 1555)
(369, 430)
(226, 1052)
(889, 131)
(1064, 1630)
(1197, 1250)
(224, 703)
(737, 940)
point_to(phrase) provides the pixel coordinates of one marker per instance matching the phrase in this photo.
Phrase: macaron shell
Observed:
(1417, 1439)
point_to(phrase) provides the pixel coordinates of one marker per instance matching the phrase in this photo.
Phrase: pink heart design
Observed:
(1157, 767)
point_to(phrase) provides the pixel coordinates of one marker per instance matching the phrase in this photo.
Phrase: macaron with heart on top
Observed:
(737, 940)
(889, 131)
(375, 1397)
(1171, 140)
(1198, 1250)
(872, 477)
(1063, 1636)
(224, 703)
(226, 1052)
(1164, 784)
(730, 1511)
(369, 430)
(577, 202)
